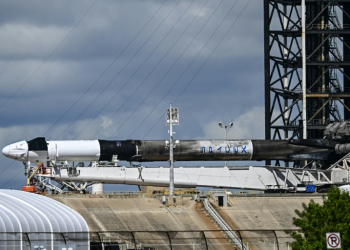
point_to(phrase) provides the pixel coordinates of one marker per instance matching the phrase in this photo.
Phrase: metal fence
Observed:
(44, 240)
(149, 240)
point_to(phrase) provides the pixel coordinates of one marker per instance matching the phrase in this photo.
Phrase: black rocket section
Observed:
(125, 150)
(37, 144)
(282, 150)
(213, 150)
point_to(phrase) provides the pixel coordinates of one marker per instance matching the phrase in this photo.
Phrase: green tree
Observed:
(316, 220)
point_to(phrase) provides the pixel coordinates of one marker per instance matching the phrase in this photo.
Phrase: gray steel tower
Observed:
(327, 66)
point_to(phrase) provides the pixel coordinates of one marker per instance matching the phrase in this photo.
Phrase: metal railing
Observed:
(320, 26)
(224, 226)
(326, 58)
(141, 194)
(320, 122)
(330, 89)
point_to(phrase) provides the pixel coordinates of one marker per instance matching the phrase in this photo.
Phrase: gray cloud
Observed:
(229, 87)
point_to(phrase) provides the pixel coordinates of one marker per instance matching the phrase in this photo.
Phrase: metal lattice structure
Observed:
(327, 66)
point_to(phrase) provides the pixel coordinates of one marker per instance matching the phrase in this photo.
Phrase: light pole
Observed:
(225, 127)
(172, 118)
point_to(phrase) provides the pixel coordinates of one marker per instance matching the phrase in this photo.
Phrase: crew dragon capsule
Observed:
(40, 150)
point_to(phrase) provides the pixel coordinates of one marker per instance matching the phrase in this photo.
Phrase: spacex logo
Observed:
(240, 149)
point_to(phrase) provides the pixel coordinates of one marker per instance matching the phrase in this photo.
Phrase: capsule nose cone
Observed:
(17, 151)
(6, 151)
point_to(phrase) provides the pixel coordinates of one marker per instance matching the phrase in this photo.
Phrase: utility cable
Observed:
(201, 66)
(186, 69)
(212, 51)
(6, 167)
(118, 75)
(148, 73)
(94, 82)
(174, 84)
(110, 65)
(26, 81)
(47, 58)
(21, 170)
(179, 57)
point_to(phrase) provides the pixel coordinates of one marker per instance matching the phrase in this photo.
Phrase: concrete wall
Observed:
(263, 213)
(148, 214)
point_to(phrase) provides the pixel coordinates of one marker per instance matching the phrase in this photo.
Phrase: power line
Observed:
(200, 67)
(180, 76)
(212, 51)
(25, 82)
(150, 71)
(94, 82)
(185, 70)
(174, 62)
(118, 75)
(6, 167)
(30, 77)
(21, 170)
(105, 69)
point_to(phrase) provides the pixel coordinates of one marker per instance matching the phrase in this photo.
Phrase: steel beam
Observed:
(248, 177)
(328, 66)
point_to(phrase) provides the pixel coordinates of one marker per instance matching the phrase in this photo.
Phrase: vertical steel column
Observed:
(346, 51)
(285, 87)
(303, 50)
(267, 72)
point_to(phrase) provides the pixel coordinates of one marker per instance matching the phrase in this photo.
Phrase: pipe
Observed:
(303, 50)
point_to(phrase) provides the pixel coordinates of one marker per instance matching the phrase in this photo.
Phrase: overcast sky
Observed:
(109, 69)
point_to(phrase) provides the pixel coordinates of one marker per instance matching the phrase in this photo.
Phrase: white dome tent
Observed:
(31, 221)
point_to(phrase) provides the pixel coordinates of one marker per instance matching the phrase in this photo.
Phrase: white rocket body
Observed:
(88, 150)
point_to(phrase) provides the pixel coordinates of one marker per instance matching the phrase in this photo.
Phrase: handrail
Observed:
(218, 219)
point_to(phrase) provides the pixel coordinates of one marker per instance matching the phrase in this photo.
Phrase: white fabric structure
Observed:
(31, 221)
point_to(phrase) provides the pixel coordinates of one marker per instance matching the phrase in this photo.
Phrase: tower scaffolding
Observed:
(327, 67)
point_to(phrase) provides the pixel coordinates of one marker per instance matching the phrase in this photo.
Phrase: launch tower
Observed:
(327, 66)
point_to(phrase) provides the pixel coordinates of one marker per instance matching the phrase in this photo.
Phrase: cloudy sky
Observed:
(108, 69)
